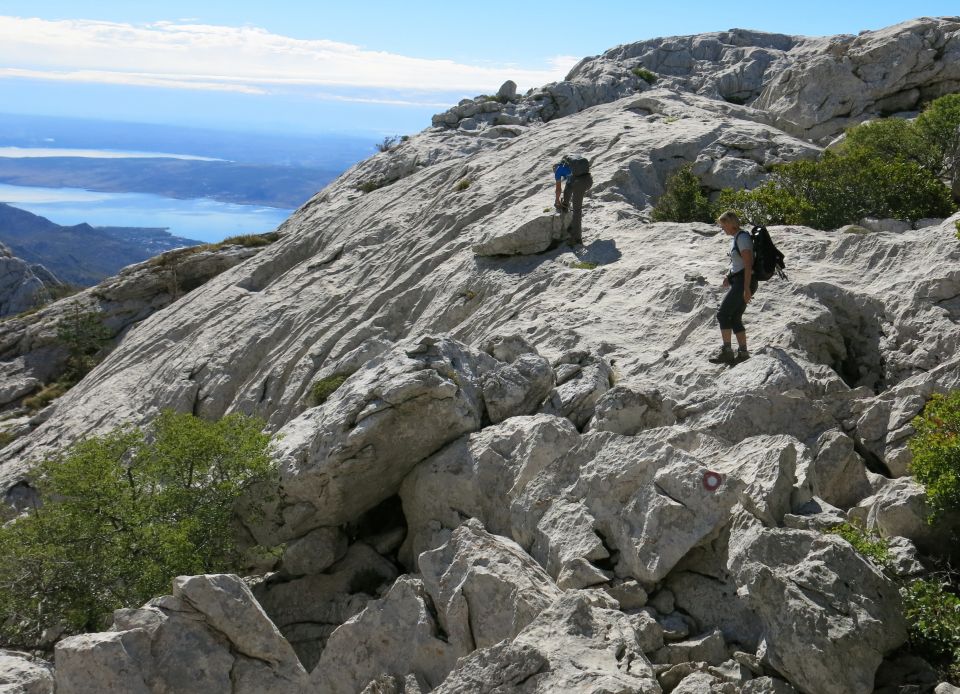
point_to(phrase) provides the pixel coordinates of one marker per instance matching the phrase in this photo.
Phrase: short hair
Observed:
(729, 216)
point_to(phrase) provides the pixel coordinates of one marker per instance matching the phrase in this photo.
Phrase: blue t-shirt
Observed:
(562, 171)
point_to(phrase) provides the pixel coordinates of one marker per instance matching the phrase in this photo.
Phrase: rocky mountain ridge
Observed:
(23, 286)
(532, 480)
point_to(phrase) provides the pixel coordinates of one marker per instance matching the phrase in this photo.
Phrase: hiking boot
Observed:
(724, 356)
(742, 355)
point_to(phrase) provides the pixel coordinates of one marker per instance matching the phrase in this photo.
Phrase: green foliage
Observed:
(886, 168)
(891, 139)
(371, 185)
(462, 185)
(682, 199)
(6, 438)
(871, 546)
(47, 394)
(584, 265)
(644, 74)
(324, 388)
(939, 127)
(84, 335)
(936, 452)
(249, 240)
(957, 225)
(841, 189)
(932, 610)
(387, 143)
(121, 515)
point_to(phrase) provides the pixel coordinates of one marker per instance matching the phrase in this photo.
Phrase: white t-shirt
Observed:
(742, 241)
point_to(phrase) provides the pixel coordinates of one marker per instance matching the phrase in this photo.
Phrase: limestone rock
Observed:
(308, 609)
(517, 388)
(396, 635)
(21, 673)
(767, 685)
(709, 648)
(840, 473)
(485, 588)
(581, 380)
(211, 635)
(530, 231)
(342, 458)
(22, 286)
(508, 90)
(625, 411)
(571, 646)
(500, 459)
(315, 552)
(815, 590)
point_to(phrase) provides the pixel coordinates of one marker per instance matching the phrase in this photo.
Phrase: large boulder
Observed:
(500, 459)
(829, 616)
(571, 646)
(397, 635)
(485, 587)
(352, 452)
(211, 635)
(308, 609)
(21, 673)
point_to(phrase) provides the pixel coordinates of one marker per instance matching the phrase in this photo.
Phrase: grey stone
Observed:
(21, 673)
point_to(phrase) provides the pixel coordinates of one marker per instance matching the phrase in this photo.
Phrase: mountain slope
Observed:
(646, 476)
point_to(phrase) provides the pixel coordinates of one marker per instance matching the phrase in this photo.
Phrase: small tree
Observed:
(120, 516)
(936, 452)
(939, 126)
(84, 334)
(683, 199)
(388, 143)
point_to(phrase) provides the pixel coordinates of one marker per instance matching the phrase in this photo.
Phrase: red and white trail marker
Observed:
(712, 480)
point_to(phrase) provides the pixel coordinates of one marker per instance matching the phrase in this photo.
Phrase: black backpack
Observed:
(579, 165)
(767, 258)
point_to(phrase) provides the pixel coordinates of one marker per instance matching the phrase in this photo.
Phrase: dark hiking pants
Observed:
(573, 194)
(730, 313)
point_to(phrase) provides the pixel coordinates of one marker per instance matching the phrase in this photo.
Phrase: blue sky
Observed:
(347, 66)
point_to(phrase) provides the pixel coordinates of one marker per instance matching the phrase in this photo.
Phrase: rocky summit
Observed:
(532, 479)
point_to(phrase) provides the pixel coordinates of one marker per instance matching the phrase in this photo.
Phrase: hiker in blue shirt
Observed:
(575, 170)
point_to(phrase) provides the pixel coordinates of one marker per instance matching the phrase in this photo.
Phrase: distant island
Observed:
(81, 255)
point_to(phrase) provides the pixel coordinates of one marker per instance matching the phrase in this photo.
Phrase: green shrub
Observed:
(933, 617)
(871, 546)
(371, 185)
(462, 185)
(121, 515)
(939, 127)
(47, 394)
(841, 189)
(957, 225)
(936, 452)
(249, 240)
(324, 388)
(683, 199)
(584, 265)
(388, 143)
(6, 438)
(890, 139)
(84, 335)
(644, 74)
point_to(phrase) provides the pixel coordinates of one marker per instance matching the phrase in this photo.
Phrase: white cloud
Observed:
(247, 59)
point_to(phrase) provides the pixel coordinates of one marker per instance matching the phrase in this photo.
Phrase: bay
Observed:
(201, 219)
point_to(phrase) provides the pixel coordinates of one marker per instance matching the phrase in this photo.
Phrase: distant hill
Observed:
(81, 254)
(242, 184)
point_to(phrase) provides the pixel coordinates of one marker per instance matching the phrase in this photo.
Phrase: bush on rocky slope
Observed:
(936, 452)
(888, 168)
(933, 612)
(123, 514)
(683, 199)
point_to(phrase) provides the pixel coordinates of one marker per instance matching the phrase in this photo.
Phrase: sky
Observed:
(358, 67)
